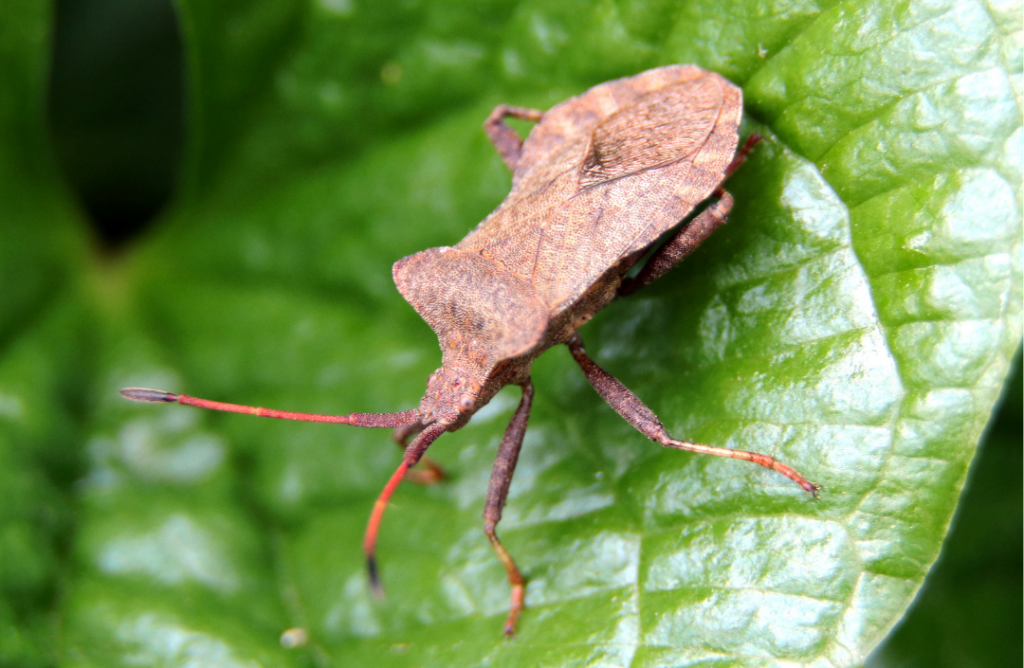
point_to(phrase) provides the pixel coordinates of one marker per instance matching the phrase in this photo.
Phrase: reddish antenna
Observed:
(413, 453)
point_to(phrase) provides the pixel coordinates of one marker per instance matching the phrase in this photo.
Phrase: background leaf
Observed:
(856, 319)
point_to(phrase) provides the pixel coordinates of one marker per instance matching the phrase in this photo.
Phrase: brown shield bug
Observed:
(599, 179)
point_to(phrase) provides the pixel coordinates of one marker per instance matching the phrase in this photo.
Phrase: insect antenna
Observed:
(355, 419)
(412, 455)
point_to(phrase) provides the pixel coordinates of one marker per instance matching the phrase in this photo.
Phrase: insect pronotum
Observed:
(599, 179)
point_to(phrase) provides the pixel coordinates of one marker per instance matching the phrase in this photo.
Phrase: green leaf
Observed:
(968, 604)
(854, 319)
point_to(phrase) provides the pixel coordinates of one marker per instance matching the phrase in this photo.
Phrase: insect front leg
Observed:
(682, 244)
(431, 472)
(504, 137)
(643, 418)
(497, 492)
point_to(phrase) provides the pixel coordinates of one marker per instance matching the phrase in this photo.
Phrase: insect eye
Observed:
(466, 402)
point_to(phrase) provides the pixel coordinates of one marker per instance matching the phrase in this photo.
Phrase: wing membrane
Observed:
(663, 127)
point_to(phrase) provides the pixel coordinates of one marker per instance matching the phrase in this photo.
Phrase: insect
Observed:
(599, 179)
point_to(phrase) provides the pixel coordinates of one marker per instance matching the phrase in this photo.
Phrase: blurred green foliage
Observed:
(856, 318)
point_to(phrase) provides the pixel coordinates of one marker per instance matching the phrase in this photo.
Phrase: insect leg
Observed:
(679, 246)
(643, 418)
(432, 471)
(505, 138)
(497, 491)
(741, 157)
(412, 455)
(694, 234)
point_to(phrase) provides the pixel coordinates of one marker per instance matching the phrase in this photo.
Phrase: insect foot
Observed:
(601, 177)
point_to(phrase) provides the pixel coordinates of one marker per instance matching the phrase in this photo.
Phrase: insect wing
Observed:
(646, 167)
(605, 174)
(663, 127)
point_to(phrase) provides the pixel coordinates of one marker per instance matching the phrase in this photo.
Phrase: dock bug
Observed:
(599, 179)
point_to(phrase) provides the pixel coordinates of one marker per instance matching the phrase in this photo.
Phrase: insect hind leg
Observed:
(635, 412)
(741, 157)
(685, 241)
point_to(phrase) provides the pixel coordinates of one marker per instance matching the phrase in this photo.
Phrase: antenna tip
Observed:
(811, 488)
(146, 394)
(374, 576)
